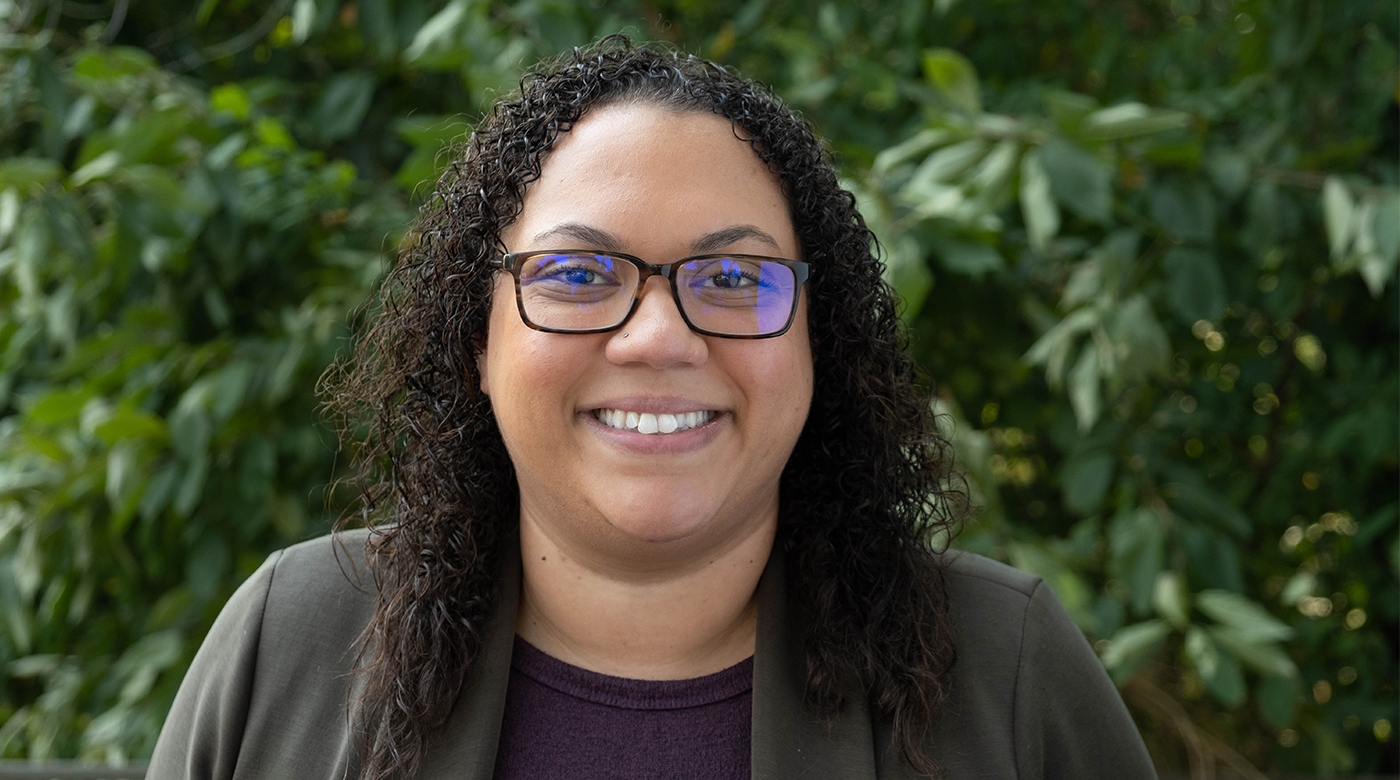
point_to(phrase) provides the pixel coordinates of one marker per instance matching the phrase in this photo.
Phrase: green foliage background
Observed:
(1147, 250)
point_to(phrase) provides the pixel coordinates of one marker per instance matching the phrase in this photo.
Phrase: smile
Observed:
(648, 423)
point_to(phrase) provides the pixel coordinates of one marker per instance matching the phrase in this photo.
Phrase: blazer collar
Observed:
(788, 741)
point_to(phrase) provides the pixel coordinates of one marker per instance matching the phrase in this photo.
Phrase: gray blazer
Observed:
(266, 696)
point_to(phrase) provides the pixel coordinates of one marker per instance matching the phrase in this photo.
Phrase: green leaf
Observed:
(59, 406)
(439, 32)
(190, 424)
(907, 272)
(1084, 396)
(99, 167)
(1082, 183)
(1212, 558)
(1139, 340)
(1084, 480)
(954, 77)
(1084, 283)
(273, 133)
(191, 488)
(205, 11)
(918, 145)
(231, 99)
(121, 475)
(1230, 172)
(992, 175)
(1339, 212)
(1186, 210)
(1038, 209)
(1386, 225)
(969, 258)
(1057, 341)
(1132, 646)
(112, 64)
(945, 165)
(303, 16)
(1247, 617)
(26, 172)
(143, 661)
(342, 106)
(1136, 542)
(1129, 120)
(158, 492)
(1191, 495)
(1221, 673)
(1298, 587)
(1171, 599)
(1264, 657)
(228, 387)
(1196, 288)
(1068, 109)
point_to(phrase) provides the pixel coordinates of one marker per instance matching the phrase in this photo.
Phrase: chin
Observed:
(659, 528)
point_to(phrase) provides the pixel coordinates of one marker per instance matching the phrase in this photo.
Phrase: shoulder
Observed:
(265, 695)
(1026, 687)
(986, 577)
(990, 603)
(317, 597)
(1006, 622)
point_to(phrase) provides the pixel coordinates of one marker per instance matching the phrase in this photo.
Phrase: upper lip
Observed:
(654, 405)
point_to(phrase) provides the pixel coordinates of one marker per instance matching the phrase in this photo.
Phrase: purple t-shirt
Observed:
(566, 723)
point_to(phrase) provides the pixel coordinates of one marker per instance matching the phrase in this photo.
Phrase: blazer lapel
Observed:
(465, 748)
(789, 742)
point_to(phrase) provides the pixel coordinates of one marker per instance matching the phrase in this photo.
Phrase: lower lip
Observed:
(688, 440)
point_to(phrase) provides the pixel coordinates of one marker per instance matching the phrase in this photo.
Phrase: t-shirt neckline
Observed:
(626, 692)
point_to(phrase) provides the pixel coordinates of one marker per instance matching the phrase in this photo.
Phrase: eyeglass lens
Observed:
(729, 295)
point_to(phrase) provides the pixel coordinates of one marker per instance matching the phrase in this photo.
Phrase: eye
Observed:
(575, 276)
(572, 270)
(731, 279)
(726, 274)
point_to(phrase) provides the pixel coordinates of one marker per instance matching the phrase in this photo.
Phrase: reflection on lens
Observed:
(576, 291)
(737, 296)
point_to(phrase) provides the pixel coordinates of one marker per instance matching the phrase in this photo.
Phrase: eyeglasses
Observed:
(730, 296)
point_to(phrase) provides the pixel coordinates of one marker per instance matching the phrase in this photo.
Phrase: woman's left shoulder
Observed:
(1026, 687)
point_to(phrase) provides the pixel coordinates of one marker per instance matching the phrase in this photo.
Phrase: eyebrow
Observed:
(595, 238)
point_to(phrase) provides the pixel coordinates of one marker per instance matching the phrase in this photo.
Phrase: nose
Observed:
(656, 335)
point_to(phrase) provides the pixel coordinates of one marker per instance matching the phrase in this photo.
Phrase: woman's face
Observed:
(659, 185)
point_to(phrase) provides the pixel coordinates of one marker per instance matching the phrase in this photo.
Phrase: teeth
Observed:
(652, 424)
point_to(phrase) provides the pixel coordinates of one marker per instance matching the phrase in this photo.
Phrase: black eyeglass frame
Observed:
(512, 263)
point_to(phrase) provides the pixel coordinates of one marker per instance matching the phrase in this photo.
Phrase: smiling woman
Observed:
(669, 513)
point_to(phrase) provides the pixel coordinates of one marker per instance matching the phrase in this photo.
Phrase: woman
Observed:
(655, 490)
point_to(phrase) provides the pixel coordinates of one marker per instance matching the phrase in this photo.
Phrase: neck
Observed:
(685, 618)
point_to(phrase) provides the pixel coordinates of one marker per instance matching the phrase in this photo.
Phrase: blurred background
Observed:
(1147, 251)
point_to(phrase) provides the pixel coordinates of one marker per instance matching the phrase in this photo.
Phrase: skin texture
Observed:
(642, 553)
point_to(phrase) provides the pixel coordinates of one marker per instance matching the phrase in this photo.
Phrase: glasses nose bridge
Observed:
(647, 270)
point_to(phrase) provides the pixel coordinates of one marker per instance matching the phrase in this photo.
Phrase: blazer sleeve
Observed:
(1069, 720)
(203, 733)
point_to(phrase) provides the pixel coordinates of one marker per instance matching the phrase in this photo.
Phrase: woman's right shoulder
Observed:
(322, 583)
(266, 694)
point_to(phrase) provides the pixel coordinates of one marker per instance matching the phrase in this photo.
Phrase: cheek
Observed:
(785, 377)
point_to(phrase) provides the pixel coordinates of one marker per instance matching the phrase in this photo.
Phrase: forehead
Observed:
(655, 177)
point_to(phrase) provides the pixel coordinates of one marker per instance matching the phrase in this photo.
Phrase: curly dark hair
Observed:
(868, 490)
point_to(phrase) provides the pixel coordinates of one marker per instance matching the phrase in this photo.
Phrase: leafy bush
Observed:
(1147, 252)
